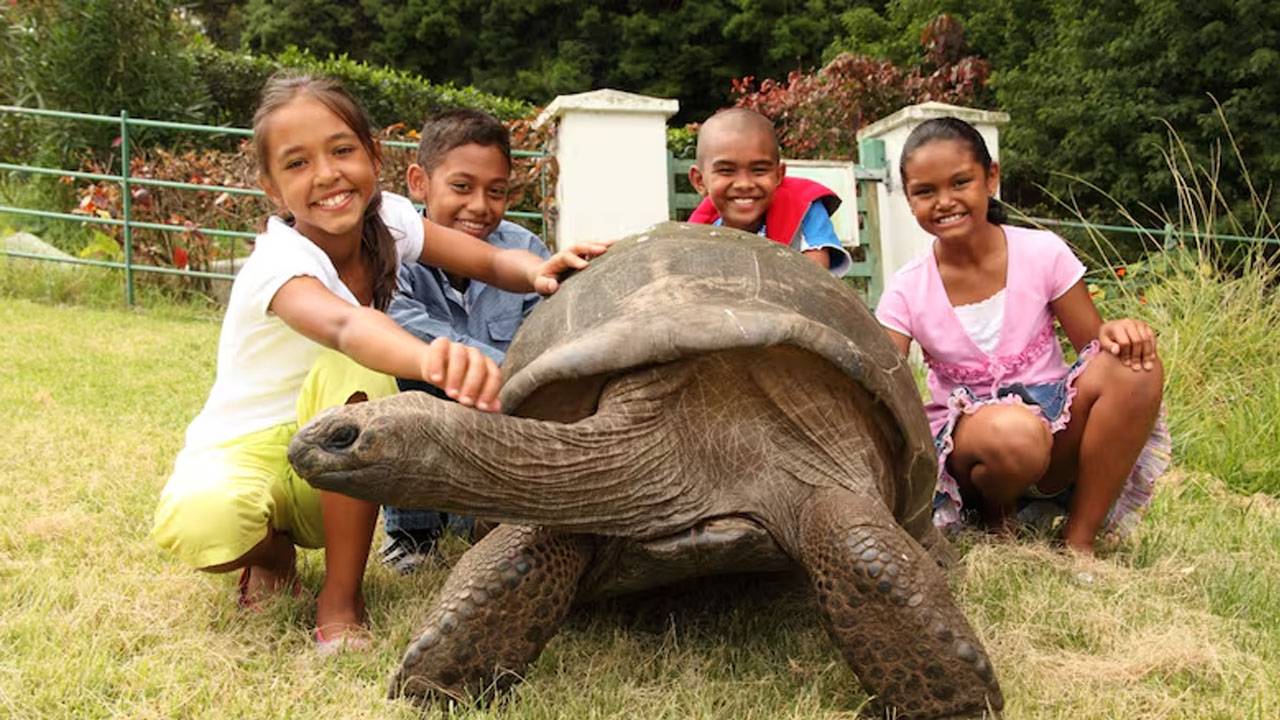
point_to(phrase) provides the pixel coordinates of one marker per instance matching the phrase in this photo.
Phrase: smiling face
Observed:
(948, 189)
(316, 168)
(466, 190)
(739, 169)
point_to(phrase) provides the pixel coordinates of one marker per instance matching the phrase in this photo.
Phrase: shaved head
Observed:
(747, 124)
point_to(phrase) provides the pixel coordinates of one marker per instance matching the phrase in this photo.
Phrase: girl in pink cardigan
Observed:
(1011, 420)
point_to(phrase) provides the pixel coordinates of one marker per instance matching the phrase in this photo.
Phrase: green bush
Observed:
(91, 56)
(682, 142)
(233, 82)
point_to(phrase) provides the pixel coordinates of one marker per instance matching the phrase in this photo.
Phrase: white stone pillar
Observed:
(901, 238)
(611, 150)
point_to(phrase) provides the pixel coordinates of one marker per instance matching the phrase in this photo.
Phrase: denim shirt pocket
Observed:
(503, 329)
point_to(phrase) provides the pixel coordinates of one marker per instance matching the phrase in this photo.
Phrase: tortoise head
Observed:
(367, 450)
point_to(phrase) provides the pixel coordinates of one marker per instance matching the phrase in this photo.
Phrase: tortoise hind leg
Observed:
(886, 604)
(507, 597)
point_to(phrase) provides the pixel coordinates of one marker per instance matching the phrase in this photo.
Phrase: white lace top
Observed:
(982, 321)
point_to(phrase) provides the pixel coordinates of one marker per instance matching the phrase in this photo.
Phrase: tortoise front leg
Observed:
(887, 606)
(504, 600)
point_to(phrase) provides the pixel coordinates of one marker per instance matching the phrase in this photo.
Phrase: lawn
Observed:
(1182, 621)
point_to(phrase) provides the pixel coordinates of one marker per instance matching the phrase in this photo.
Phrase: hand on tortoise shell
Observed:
(463, 372)
(547, 278)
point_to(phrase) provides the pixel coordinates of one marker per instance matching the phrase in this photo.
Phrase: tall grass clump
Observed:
(1215, 305)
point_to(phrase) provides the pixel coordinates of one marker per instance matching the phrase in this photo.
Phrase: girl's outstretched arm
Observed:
(373, 339)
(1129, 339)
(514, 270)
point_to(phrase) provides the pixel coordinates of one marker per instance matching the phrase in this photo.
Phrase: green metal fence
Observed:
(127, 221)
(1167, 237)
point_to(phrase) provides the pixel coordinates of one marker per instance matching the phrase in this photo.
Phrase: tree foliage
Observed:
(1098, 91)
(537, 49)
(99, 57)
(818, 114)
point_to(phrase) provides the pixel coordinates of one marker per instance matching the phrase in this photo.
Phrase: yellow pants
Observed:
(220, 501)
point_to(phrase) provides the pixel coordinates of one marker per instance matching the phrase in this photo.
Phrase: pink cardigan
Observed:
(1040, 269)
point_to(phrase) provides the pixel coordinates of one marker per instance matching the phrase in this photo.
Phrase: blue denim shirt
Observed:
(483, 317)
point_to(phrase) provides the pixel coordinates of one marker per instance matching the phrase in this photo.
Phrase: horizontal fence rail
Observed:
(126, 182)
(1168, 234)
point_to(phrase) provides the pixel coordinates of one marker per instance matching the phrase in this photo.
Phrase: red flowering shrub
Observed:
(818, 114)
(193, 209)
(187, 209)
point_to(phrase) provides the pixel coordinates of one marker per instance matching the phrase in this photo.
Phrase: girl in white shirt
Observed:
(319, 277)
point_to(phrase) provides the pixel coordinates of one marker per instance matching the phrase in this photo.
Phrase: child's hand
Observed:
(1130, 340)
(546, 279)
(463, 372)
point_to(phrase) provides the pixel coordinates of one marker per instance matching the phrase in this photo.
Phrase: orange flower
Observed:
(1120, 272)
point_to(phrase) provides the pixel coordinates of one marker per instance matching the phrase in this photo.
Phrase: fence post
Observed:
(1168, 236)
(600, 135)
(126, 202)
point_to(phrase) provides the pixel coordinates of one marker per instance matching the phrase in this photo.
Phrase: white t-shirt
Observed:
(262, 362)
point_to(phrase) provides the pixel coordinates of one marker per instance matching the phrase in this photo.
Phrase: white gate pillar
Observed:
(901, 238)
(611, 149)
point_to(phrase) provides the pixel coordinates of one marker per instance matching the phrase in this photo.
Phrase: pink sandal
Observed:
(345, 643)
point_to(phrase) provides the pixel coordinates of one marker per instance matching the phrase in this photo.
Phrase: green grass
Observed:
(1219, 338)
(1183, 621)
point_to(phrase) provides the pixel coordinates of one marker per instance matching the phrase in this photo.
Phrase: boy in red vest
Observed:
(743, 183)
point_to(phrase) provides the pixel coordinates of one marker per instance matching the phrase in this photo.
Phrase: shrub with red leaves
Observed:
(193, 209)
(818, 114)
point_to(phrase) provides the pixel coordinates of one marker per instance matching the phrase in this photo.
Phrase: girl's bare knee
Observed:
(1017, 444)
(1141, 389)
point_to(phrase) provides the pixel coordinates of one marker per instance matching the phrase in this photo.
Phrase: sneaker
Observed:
(1044, 516)
(407, 550)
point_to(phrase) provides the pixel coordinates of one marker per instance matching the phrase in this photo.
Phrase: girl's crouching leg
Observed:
(1000, 450)
(218, 511)
(1118, 407)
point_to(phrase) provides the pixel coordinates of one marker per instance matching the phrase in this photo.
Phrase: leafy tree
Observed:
(536, 49)
(99, 57)
(322, 26)
(1097, 89)
(1098, 103)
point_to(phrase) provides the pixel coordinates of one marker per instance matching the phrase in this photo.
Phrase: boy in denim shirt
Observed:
(461, 174)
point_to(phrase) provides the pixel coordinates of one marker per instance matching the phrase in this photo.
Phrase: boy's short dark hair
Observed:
(455, 128)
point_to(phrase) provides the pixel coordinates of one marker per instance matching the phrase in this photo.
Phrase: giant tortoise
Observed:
(697, 401)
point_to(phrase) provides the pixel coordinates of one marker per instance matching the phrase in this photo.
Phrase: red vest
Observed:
(790, 202)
